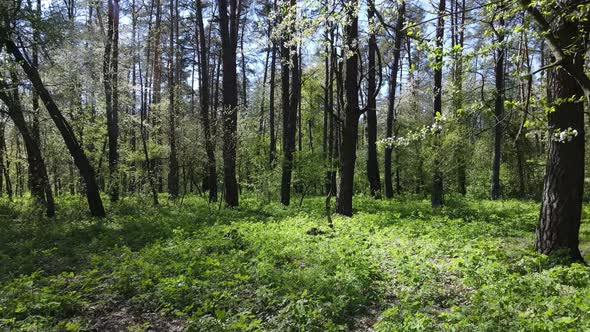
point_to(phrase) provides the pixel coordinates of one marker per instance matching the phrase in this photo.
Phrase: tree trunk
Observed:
(110, 77)
(172, 81)
(228, 24)
(351, 115)
(39, 181)
(372, 162)
(436, 198)
(65, 129)
(290, 99)
(498, 113)
(271, 110)
(459, 40)
(563, 188)
(205, 109)
(155, 164)
(5, 168)
(391, 100)
(243, 64)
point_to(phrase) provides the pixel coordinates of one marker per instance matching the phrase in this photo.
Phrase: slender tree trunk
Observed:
(205, 109)
(299, 109)
(271, 110)
(243, 63)
(391, 116)
(2, 126)
(173, 185)
(39, 181)
(372, 162)
(351, 114)
(110, 77)
(458, 40)
(156, 164)
(262, 122)
(3, 154)
(147, 104)
(498, 112)
(65, 129)
(35, 131)
(437, 178)
(134, 60)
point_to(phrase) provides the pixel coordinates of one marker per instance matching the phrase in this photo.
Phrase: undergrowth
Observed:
(395, 266)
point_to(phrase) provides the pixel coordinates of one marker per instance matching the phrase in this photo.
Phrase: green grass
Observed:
(395, 266)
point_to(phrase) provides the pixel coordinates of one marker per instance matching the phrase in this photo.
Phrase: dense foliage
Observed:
(396, 265)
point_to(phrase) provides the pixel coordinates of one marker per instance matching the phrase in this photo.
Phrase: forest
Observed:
(294, 165)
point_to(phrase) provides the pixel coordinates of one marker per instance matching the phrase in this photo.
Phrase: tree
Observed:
(391, 97)
(351, 112)
(457, 44)
(372, 163)
(173, 71)
(563, 188)
(110, 79)
(436, 197)
(271, 109)
(40, 186)
(204, 97)
(75, 148)
(228, 25)
(498, 108)
(290, 99)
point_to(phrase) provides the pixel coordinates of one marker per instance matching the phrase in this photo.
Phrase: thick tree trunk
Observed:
(563, 189)
(228, 24)
(351, 115)
(372, 162)
(559, 220)
(391, 99)
(204, 95)
(498, 113)
(65, 129)
(436, 197)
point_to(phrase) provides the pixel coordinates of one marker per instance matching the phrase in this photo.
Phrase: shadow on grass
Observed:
(30, 242)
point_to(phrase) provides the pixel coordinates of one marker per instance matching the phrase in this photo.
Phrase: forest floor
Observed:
(395, 266)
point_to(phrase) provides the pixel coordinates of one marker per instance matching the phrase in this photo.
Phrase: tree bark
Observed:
(290, 100)
(110, 78)
(391, 116)
(271, 108)
(228, 24)
(498, 112)
(372, 162)
(563, 188)
(436, 198)
(65, 129)
(204, 95)
(351, 114)
(173, 182)
(40, 186)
